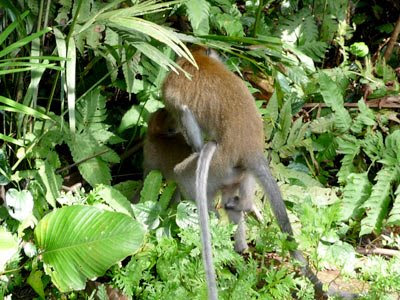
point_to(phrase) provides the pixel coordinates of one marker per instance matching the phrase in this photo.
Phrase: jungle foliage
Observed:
(78, 81)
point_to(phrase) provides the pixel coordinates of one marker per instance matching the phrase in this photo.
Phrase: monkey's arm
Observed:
(191, 129)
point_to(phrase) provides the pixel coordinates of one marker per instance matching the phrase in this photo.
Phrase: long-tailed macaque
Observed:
(216, 103)
(165, 147)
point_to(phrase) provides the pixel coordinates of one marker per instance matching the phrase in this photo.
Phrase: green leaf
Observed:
(186, 215)
(271, 115)
(23, 108)
(326, 146)
(148, 214)
(373, 146)
(322, 124)
(166, 196)
(391, 155)
(19, 204)
(35, 281)
(198, 12)
(128, 188)
(377, 205)
(157, 56)
(359, 49)
(159, 33)
(355, 193)
(70, 71)
(342, 119)
(314, 49)
(51, 181)
(20, 43)
(130, 119)
(82, 242)
(394, 216)
(115, 199)
(8, 247)
(91, 111)
(95, 170)
(151, 187)
(11, 140)
(285, 120)
(350, 147)
(5, 170)
(366, 117)
(284, 173)
(330, 91)
(232, 25)
(10, 28)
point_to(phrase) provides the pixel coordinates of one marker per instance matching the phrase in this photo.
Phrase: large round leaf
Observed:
(81, 242)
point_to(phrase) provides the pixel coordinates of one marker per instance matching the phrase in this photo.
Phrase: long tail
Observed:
(260, 169)
(203, 166)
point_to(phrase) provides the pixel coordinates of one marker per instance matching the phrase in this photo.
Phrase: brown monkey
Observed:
(218, 104)
(164, 148)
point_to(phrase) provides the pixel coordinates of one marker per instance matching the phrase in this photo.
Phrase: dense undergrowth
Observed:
(78, 81)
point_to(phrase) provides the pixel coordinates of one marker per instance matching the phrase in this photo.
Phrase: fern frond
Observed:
(198, 12)
(285, 120)
(286, 174)
(355, 193)
(296, 139)
(342, 119)
(91, 111)
(391, 156)
(350, 147)
(373, 146)
(314, 49)
(151, 187)
(326, 145)
(92, 158)
(322, 124)
(366, 117)
(271, 116)
(330, 92)
(309, 29)
(394, 216)
(292, 28)
(377, 205)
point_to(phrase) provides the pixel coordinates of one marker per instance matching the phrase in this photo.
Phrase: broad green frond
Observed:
(198, 12)
(356, 191)
(394, 216)
(377, 205)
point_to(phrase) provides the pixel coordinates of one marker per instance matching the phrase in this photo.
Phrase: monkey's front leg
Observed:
(191, 129)
(185, 173)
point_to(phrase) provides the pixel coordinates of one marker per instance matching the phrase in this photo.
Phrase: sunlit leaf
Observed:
(82, 242)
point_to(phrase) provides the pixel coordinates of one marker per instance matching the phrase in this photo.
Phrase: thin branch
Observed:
(392, 41)
(379, 251)
(385, 102)
(82, 161)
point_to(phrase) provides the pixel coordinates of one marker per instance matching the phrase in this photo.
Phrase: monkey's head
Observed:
(161, 123)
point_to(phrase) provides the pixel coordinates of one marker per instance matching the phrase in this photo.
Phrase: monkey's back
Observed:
(222, 105)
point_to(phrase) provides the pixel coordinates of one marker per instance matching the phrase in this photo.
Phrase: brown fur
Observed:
(223, 106)
(163, 149)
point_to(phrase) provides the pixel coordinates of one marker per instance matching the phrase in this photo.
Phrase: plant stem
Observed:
(258, 17)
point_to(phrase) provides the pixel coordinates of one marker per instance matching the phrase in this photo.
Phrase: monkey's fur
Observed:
(165, 147)
(225, 112)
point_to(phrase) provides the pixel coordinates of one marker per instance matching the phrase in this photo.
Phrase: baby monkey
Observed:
(165, 147)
